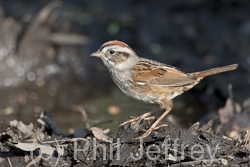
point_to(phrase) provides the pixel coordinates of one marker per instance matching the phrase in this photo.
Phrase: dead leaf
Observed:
(208, 126)
(100, 135)
(45, 149)
(227, 112)
(26, 129)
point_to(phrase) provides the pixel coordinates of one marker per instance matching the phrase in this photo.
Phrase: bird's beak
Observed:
(97, 54)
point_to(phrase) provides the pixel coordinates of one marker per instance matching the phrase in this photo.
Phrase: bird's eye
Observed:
(111, 52)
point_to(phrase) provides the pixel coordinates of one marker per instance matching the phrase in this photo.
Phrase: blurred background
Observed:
(45, 64)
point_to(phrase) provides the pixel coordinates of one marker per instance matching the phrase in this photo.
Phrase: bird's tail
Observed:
(217, 70)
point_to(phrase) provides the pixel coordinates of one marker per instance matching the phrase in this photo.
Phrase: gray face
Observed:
(118, 57)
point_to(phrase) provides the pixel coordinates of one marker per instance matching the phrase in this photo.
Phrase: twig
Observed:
(102, 123)
(245, 65)
(53, 141)
(230, 93)
(198, 162)
(31, 33)
(8, 159)
(83, 112)
(67, 39)
(34, 161)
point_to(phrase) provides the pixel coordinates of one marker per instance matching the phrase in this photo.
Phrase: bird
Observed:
(148, 80)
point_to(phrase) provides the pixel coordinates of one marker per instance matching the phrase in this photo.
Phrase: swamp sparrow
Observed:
(148, 80)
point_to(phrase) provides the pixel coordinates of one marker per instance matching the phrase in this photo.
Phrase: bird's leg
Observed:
(168, 105)
(140, 117)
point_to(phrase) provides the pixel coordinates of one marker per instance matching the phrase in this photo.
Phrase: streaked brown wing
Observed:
(154, 73)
